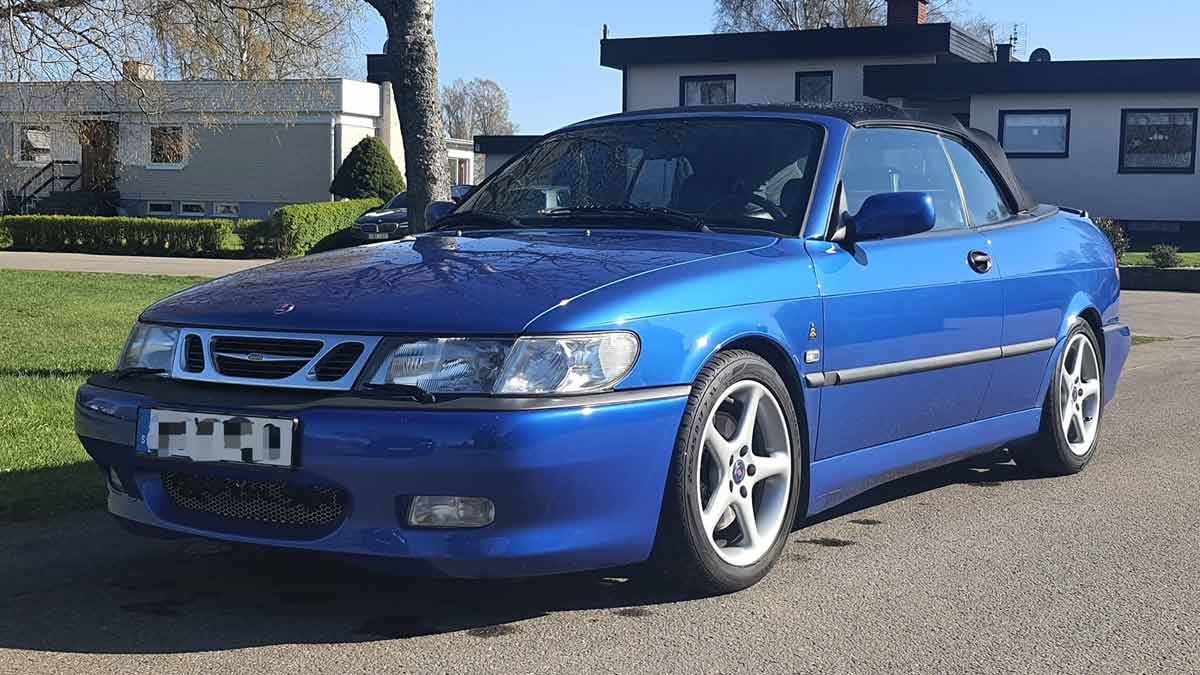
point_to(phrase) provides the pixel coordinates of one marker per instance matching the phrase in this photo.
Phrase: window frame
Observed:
(151, 211)
(834, 225)
(1000, 184)
(685, 79)
(811, 73)
(1122, 169)
(1066, 152)
(183, 212)
(19, 142)
(183, 151)
(234, 208)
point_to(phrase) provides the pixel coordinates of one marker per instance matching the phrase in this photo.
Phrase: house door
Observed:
(98, 155)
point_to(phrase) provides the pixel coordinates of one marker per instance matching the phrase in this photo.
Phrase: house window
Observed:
(160, 208)
(227, 209)
(814, 87)
(166, 146)
(460, 170)
(1035, 133)
(192, 209)
(1158, 141)
(707, 89)
(34, 141)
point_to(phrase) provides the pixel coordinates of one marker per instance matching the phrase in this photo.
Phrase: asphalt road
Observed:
(969, 568)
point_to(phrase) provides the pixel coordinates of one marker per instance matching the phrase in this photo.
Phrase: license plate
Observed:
(377, 235)
(211, 437)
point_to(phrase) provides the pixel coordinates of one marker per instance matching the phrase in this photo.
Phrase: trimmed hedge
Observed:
(101, 234)
(295, 230)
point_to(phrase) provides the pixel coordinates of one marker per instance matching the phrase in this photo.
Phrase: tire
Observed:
(758, 482)
(1070, 431)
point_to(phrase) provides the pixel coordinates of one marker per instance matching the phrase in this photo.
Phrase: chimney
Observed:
(1003, 53)
(907, 12)
(136, 71)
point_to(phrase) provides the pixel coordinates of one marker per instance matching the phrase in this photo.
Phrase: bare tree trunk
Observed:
(418, 105)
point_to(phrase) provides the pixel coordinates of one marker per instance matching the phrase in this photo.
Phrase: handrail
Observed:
(25, 196)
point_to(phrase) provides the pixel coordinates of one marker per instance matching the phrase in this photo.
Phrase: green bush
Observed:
(1116, 235)
(1165, 255)
(295, 230)
(103, 234)
(368, 171)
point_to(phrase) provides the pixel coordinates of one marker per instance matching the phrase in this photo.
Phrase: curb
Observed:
(1140, 278)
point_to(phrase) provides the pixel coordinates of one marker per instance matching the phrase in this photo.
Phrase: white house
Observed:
(194, 148)
(1117, 138)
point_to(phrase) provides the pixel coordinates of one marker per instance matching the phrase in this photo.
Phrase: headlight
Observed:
(444, 365)
(567, 365)
(530, 365)
(149, 346)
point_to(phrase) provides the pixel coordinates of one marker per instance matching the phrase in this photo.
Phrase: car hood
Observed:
(475, 283)
(384, 216)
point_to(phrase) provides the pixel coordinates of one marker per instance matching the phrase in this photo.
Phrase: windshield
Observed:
(400, 201)
(732, 173)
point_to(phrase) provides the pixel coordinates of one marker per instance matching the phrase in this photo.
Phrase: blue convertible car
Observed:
(663, 337)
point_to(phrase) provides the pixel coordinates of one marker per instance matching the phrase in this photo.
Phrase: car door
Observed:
(912, 325)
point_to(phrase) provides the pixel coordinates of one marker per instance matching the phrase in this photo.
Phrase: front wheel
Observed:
(1070, 430)
(733, 488)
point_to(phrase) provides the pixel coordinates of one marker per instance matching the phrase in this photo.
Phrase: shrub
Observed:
(295, 230)
(102, 234)
(368, 171)
(1165, 255)
(1116, 235)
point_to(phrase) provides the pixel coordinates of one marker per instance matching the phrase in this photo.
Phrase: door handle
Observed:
(979, 261)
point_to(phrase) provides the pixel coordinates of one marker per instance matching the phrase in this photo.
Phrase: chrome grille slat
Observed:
(273, 359)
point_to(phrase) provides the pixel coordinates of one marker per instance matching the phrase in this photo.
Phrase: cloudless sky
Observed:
(546, 53)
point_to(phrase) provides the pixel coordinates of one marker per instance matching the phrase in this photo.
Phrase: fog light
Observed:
(426, 511)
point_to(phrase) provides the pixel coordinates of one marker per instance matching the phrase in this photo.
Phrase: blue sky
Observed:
(546, 53)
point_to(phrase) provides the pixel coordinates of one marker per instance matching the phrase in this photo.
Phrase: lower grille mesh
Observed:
(272, 502)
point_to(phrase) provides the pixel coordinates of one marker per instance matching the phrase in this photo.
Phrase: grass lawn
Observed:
(57, 329)
(1132, 258)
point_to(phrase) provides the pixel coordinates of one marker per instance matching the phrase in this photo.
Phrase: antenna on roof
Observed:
(604, 32)
(1018, 36)
(1040, 55)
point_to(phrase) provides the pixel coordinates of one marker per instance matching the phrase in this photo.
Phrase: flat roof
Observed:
(509, 144)
(930, 38)
(1052, 77)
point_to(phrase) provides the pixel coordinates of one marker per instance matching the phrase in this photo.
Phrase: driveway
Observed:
(125, 264)
(973, 567)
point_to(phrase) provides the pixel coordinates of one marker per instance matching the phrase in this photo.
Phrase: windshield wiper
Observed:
(485, 218)
(659, 213)
(408, 390)
(137, 371)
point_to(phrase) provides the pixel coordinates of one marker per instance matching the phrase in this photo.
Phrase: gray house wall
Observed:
(264, 165)
(1088, 178)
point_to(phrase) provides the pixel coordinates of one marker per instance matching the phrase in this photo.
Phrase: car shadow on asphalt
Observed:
(194, 595)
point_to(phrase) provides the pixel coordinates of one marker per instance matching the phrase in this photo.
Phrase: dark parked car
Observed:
(391, 220)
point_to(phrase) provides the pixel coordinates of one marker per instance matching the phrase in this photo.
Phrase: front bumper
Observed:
(575, 488)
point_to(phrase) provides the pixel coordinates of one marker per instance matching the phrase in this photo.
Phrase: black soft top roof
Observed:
(865, 114)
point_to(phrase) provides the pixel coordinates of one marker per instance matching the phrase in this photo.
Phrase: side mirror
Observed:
(892, 214)
(437, 211)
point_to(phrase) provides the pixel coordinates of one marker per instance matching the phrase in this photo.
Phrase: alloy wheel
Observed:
(1079, 394)
(744, 476)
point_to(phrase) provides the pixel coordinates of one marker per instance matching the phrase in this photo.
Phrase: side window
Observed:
(985, 201)
(902, 160)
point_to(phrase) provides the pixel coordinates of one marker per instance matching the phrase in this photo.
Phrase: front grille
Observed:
(334, 365)
(193, 354)
(261, 358)
(272, 502)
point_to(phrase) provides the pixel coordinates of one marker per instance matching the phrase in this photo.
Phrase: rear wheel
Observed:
(1070, 430)
(732, 492)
